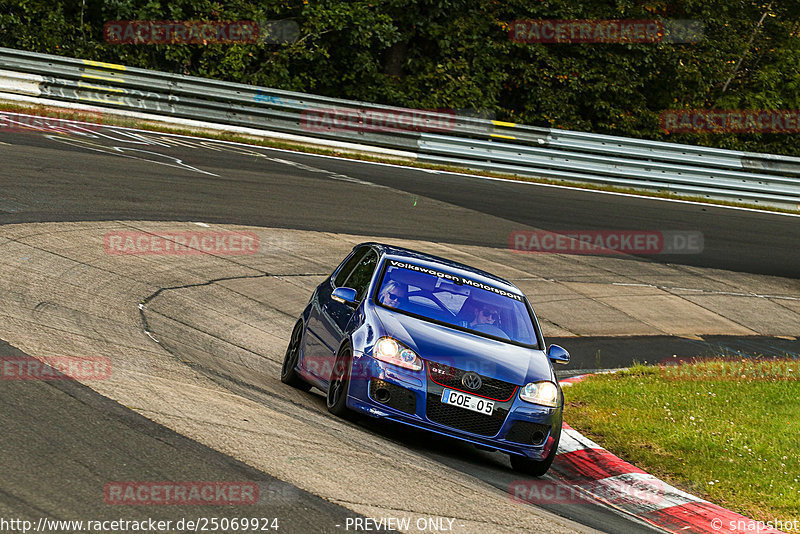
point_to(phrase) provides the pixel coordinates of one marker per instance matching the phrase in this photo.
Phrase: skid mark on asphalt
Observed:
(329, 174)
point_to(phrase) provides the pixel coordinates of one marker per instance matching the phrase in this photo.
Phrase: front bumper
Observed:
(516, 427)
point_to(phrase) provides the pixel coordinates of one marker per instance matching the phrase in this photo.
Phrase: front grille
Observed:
(451, 377)
(528, 433)
(463, 419)
(400, 398)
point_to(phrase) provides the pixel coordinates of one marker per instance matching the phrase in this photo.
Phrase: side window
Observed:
(362, 274)
(348, 267)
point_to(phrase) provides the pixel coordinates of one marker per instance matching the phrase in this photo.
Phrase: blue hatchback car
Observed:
(431, 343)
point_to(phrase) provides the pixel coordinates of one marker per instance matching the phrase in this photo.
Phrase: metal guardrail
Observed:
(466, 141)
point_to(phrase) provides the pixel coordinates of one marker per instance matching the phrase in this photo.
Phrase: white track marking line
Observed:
(572, 440)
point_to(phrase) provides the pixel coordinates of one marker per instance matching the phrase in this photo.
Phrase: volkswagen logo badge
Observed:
(472, 381)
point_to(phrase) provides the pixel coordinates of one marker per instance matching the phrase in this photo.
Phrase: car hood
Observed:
(488, 357)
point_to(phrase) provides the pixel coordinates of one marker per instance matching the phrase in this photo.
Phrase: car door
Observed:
(336, 315)
(320, 344)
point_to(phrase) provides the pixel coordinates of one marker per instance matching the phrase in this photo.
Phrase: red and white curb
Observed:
(586, 471)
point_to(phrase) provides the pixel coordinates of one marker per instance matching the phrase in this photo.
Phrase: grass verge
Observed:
(727, 431)
(109, 119)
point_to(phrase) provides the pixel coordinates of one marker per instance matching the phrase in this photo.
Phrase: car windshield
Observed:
(456, 301)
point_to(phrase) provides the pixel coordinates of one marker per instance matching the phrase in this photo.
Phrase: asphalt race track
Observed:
(61, 441)
(227, 186)
(114, 175)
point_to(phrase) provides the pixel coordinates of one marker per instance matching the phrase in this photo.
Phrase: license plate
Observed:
(465, 400)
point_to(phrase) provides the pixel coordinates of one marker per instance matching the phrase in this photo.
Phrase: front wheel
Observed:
(535, 468)
(289, 370)
(339, 384)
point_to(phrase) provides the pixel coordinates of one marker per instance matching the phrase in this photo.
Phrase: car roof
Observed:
(429, 260)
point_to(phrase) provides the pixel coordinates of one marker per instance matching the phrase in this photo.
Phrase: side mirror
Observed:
(558, 354)
(345, 295)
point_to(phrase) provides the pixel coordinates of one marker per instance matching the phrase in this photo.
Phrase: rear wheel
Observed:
(535, 468)
(339, 384)
(289, 370)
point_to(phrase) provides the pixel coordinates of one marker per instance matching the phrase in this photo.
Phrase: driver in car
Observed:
(486, 315)
(475, 313)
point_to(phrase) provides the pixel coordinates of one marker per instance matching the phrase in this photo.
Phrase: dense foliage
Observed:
(457, 54)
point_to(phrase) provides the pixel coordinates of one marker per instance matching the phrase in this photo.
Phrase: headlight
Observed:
(390, 351)
(544, 393)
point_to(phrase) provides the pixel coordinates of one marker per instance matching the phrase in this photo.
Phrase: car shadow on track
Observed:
(493, 468)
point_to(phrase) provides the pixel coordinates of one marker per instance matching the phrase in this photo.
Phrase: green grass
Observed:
(111, 120)
(728, 432)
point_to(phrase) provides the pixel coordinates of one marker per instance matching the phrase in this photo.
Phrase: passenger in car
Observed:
(393, 294)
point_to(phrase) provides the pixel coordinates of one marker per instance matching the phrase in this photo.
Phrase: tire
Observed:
(339, 384)
(288, 370)
(535, 468)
